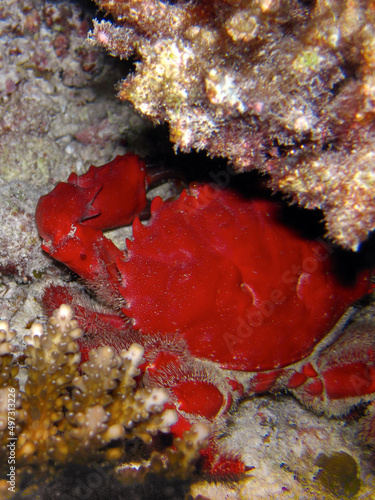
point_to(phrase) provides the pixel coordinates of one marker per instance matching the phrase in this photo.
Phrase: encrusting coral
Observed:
(283, 86)
(66, 415)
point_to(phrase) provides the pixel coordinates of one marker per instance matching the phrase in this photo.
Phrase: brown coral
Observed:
(67, 416)
(283, 86)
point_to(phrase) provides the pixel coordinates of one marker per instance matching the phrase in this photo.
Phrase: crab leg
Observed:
(340, 375)
(70, 219)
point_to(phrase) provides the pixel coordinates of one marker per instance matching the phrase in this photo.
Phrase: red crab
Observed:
(225, 297)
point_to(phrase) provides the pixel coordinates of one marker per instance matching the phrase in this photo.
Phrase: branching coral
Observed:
(8, 387)
(65, 415)
(283, 86)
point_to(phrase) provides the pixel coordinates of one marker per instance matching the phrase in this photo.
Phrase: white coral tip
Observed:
(36, 329)
(64, 312)
(76, 333)
(5, 332)
(157, 397)
(4, 325)
(169, 418)
(5, 349)
(115, 431)
(201, 432)
(134, 354)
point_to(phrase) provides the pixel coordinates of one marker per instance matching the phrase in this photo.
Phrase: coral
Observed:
(71, 416)
(9, 388)
(286, 87)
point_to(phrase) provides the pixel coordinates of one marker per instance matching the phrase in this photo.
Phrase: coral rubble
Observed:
(57, 106)
(283, 86)
(65, 415)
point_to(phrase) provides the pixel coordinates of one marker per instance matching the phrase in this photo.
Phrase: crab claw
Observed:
(103, 198)
(70, 219)
(66, 206)
(121, 192)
